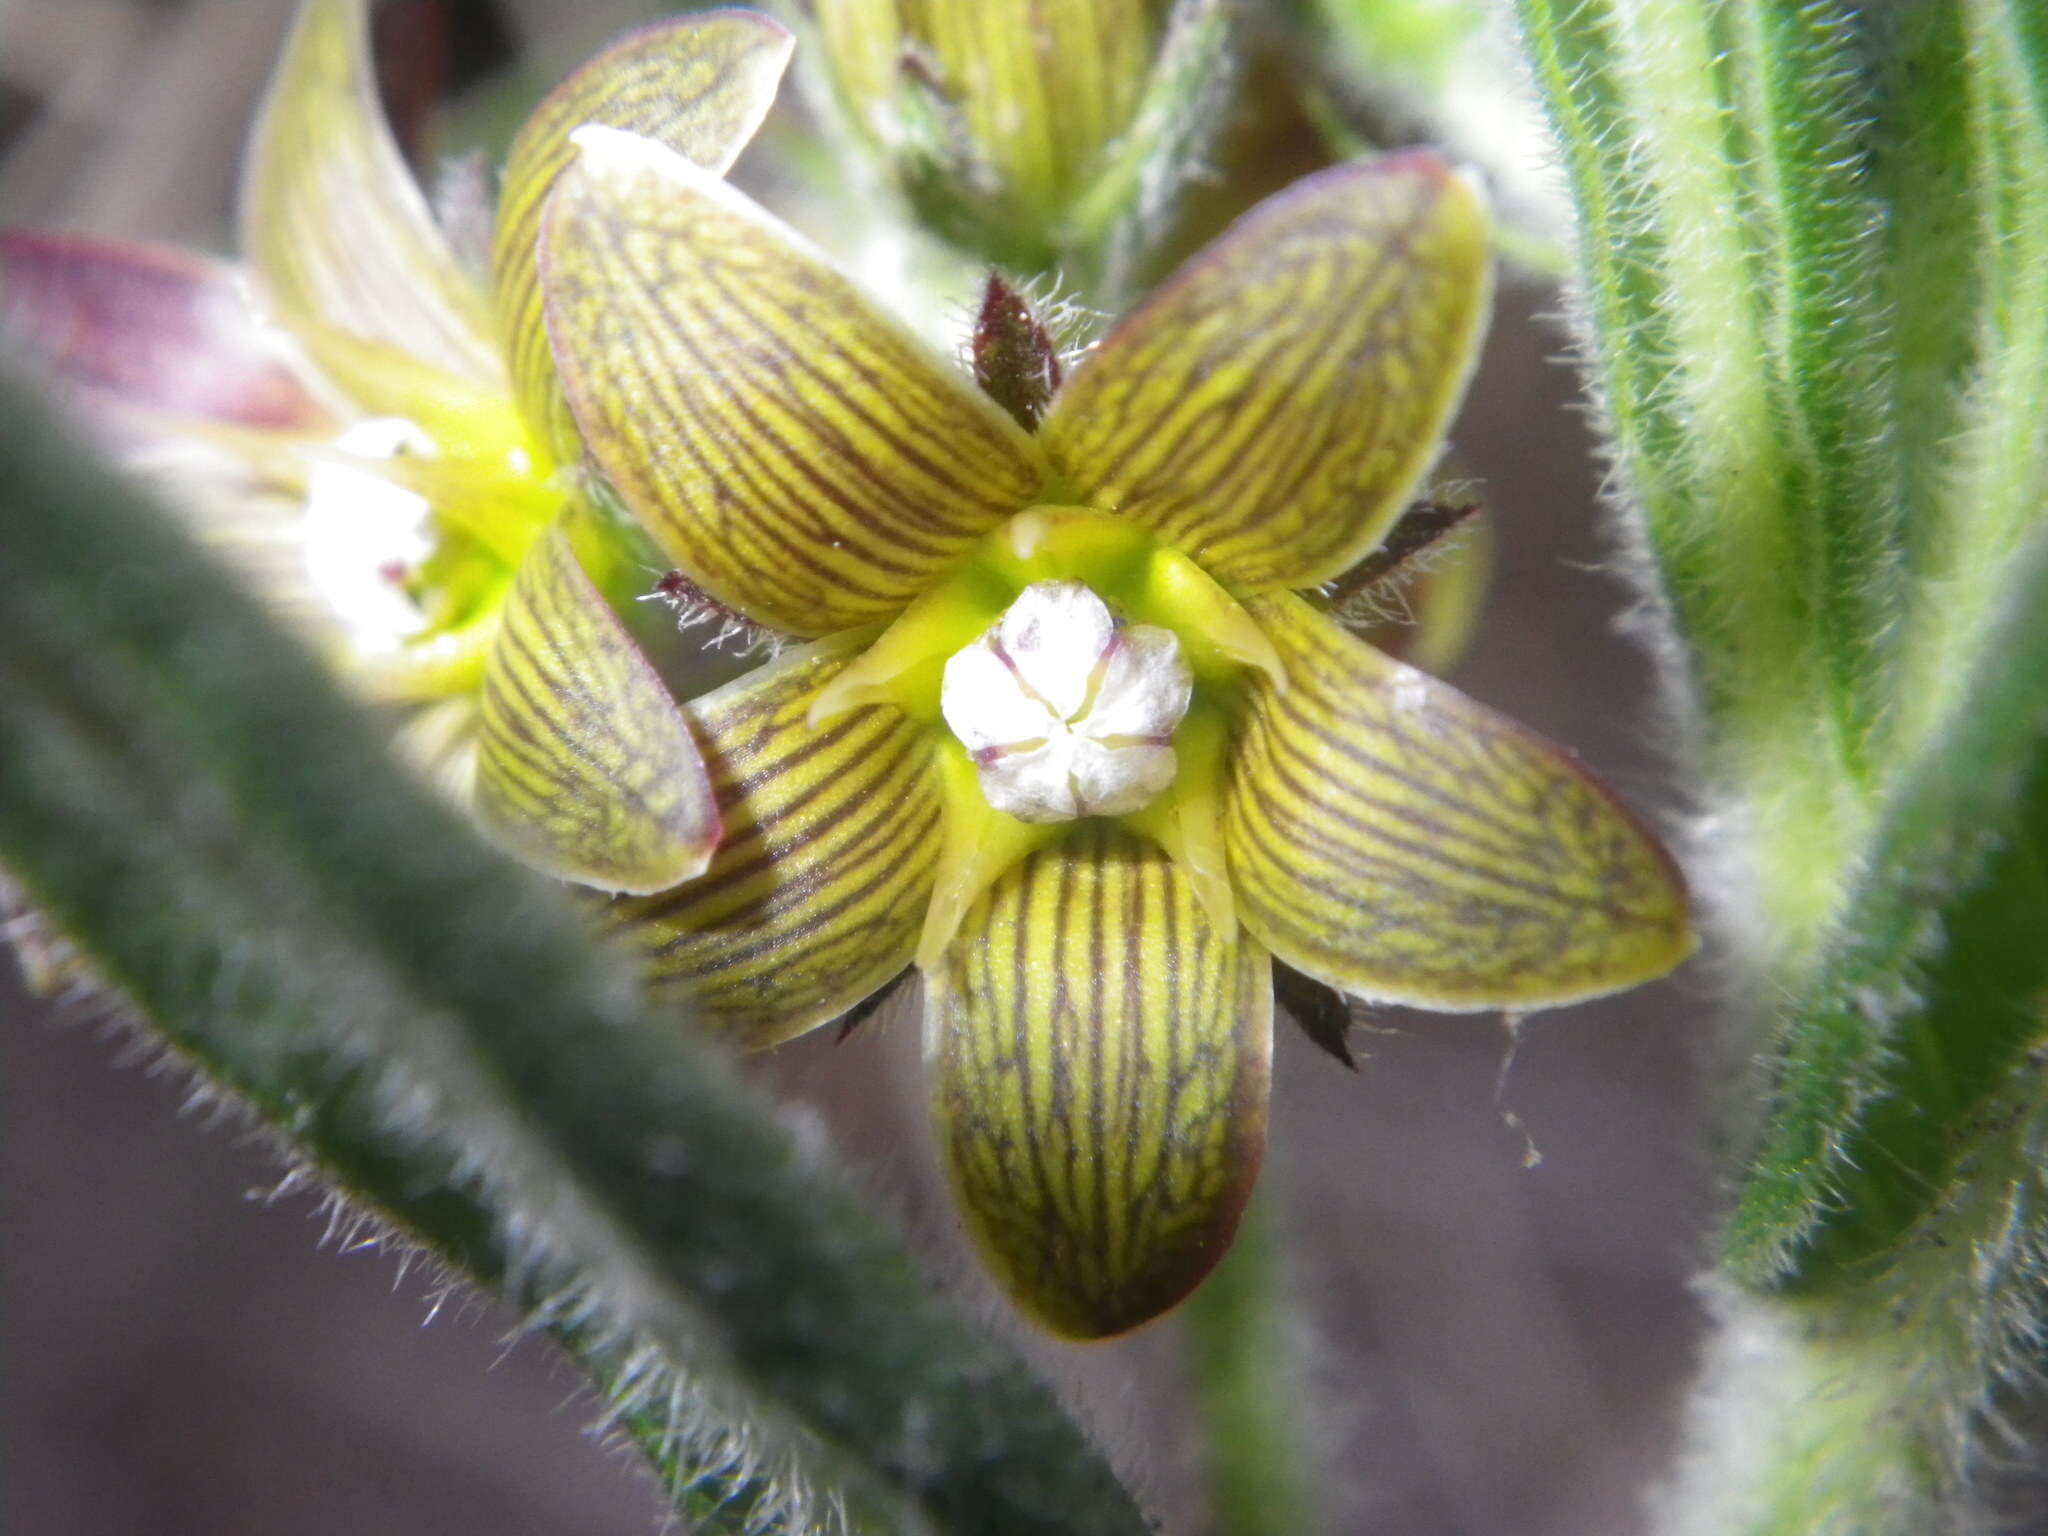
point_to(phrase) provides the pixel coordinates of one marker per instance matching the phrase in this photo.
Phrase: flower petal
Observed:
(699, 85)
(1271, 406)
(143, 326)
(333, 222)
(585, 766)
(1394, 839)
(1099, 1057)
(799, 454)
(818, 889)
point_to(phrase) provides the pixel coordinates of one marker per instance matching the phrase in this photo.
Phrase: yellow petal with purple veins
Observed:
(332, 220)
(1271, 407)
(818, 889)
(1396, 840)
(802, 456)
(1100, 1059)
(699, 85)
(585, 765)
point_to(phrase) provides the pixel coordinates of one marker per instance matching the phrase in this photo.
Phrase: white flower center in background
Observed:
(363, 534)
(1065, 712)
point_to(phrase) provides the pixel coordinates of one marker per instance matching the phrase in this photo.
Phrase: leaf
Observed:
(187, 795)
(1928, 1004)
(1737, 298)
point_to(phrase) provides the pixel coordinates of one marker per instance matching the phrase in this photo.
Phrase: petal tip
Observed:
(1099, 1087)
(617, 149)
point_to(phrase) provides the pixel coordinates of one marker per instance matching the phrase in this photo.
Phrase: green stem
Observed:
(1242, 1360)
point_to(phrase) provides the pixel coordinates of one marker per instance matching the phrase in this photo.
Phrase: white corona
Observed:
(1065, 712)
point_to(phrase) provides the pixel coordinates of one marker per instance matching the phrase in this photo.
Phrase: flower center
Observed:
(1064, 711)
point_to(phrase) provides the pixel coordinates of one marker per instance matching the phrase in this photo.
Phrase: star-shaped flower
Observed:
(382, 433)
(1071, 737)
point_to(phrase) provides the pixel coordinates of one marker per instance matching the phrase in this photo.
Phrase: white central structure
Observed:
(1065, 712)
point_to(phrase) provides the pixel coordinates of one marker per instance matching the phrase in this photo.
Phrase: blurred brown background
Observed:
(1496, 1349)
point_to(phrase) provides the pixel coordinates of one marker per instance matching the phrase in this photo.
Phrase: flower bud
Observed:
(999, 118)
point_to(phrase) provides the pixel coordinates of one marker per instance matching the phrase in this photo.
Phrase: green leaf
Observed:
(1887, 1351)
(1738, 267)
(1815, 255)
(1927, 1005)
(186, 795)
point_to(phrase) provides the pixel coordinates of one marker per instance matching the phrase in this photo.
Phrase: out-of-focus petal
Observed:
(465, 419)
(334, 224)
(1394, 839)
(1271, 407)
(585, 766)
(819, 886)
(801, 455)
(1099, 1056)
(699, 84)
(143, 327)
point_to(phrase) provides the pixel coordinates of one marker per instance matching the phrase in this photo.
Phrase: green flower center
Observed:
(1146, 582)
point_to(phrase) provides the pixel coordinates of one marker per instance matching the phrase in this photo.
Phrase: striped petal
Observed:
(818, 889)
(585, 766)
(1272, 406)
(148, 328)
(799, 454)
(1099, 1057)
(1394, 839)
(699, 85)
(333, 222)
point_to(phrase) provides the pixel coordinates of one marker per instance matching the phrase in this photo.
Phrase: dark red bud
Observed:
(1015, 361)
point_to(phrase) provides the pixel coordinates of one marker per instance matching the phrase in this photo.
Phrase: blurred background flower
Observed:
(1495, 1347)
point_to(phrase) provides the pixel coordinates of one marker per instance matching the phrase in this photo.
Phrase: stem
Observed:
(1242, 1360)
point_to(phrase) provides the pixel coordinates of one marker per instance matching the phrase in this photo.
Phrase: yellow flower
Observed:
(976, 767)
(391, 416)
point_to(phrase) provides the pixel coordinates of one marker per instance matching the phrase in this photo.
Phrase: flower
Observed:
(1072, 734)
(370, 407)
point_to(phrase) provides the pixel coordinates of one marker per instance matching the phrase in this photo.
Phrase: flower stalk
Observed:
(1259, 1434)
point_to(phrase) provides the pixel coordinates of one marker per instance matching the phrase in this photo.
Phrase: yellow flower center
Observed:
(992, 821)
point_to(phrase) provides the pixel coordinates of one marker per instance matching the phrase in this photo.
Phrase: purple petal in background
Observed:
(149, 327)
